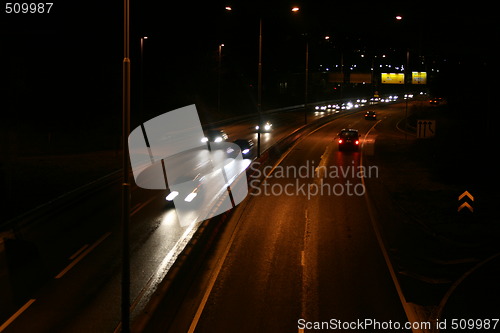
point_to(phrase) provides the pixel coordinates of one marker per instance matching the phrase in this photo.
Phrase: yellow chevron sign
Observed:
(465, 204)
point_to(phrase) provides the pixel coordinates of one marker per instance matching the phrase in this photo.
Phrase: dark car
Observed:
(245, 146)
(215, 136)
(348, 139)
(266, 126)
(371, 115)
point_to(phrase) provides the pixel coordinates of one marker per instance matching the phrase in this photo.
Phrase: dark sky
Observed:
(70, 59)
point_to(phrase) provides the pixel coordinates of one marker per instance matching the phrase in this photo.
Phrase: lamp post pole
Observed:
(219, 79)
(259, 88)
(306, 81)
(125, 283)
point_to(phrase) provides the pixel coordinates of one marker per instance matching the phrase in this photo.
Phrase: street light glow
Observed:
(399, 17)
(229, 8)
(295, 9)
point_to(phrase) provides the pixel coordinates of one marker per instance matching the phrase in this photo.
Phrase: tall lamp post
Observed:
(259, 88)
(125, 283)
(142, 73)
(296, 9)
(219, 79)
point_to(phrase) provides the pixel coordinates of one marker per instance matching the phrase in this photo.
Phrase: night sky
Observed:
(63, 69)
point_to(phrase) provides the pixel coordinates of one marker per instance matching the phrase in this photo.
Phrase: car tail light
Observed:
(357, 142)
(340, 140)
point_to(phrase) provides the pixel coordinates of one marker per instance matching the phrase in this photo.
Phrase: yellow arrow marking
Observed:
(466, 193)
(465, 204)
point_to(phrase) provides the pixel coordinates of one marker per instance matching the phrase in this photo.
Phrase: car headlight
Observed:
(257, 127)
(172, 195)
(190, 197)
(245, 151)
(204, 139)
(267, 127)
(218, 139)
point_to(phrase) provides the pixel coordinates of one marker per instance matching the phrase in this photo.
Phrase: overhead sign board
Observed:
(335, 77)
(360, 78)
(393, 78)
(419, 77)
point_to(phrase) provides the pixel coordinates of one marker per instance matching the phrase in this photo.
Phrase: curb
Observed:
(436, 315)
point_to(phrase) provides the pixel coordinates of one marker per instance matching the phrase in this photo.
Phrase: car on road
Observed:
(245, 146)
(435, 100)
(215, 136)
(371, 115)
(266, 127)
(348, 139)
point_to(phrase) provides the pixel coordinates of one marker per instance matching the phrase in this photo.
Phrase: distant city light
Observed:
(399, 17)
(229, 8)
(295, 9)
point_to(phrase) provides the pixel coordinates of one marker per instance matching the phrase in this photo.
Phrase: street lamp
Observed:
(296, 9)
(125, 218)
(219, 78)
(259, 87)
(142, 74)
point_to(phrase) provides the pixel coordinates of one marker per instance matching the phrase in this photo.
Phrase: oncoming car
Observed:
(348, 139)
(245, 146)
(215, 136)
(266, 127)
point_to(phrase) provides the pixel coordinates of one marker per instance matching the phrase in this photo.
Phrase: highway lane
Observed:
(301, 254)
(82, 293)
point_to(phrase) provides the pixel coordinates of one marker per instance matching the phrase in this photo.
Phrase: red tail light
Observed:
(357, 142)
(340, 140)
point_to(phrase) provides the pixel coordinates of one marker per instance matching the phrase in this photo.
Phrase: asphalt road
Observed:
(292, 256)
(303, 249)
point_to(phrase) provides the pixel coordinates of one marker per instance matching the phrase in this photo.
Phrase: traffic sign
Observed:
(464, 197)
(426, 128)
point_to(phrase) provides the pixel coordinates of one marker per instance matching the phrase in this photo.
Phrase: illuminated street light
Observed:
(399, 17)
(219, 77)
(295, 9)
(229, 8)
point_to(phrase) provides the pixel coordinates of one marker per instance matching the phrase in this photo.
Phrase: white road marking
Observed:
(82, 255)
(140, 206)
(409, 311)
(17, 314)
(78, 252)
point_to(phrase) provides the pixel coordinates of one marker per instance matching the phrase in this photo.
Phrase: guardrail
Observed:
(55, 205)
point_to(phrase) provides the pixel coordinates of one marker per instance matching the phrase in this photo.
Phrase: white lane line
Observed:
(409, 311)
(78, 252)
(82, 255)
(17, 314)
(139, 206)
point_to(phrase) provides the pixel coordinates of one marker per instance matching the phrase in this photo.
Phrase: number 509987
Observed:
(25, 7)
